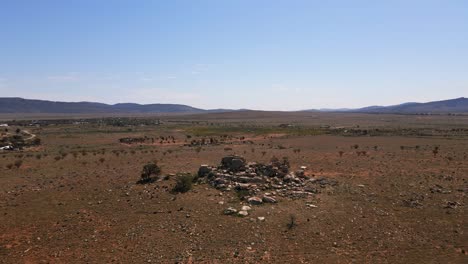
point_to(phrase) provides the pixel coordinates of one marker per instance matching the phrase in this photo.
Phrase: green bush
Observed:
(183, 183)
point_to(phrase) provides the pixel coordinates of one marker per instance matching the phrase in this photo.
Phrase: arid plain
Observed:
(398, 194)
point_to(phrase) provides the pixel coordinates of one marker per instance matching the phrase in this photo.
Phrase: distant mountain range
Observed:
(20, 105)
(458, 105)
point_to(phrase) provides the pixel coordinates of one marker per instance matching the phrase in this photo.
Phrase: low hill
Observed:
(20, 105)
(458, 105)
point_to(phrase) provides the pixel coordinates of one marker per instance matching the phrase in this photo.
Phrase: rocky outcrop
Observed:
(263, 182)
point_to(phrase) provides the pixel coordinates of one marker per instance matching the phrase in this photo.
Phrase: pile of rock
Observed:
(262, 182)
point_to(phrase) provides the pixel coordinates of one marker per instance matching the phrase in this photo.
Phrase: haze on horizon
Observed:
(265, 55)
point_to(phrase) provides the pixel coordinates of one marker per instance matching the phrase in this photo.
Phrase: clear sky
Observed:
(276, 55)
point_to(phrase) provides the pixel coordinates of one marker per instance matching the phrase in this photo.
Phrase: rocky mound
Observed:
(262, 182)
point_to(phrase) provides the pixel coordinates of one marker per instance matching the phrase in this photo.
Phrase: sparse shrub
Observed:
(263, 153)
(183, 183)
(198, 149)
(362, 153)
(275, 161)
(102, 160)
(36, 141)
(241, 194)
(9, 166)
(18, 163)
(292, 222)
(38, 156)
(341, 153)
(57, 158)
(435, 151)
(227, 149)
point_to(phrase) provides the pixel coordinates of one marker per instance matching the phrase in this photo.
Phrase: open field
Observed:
(400, 196)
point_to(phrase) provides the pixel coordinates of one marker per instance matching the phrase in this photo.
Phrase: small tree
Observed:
(149, 169)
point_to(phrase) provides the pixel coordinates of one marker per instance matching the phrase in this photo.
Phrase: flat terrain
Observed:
(400, 197)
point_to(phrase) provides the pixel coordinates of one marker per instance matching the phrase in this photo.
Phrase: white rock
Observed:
(246, 208)
(243, 213)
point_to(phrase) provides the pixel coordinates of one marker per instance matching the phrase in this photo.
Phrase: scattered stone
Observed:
(255, 200)
(261, 218)
(452, 205)
(439, 189)
(230, 211)
(412, 203)
(268, 199)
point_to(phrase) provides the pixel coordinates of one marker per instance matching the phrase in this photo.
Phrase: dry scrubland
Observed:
(400, 197)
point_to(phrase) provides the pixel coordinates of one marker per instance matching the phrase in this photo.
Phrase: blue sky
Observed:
(276, 55)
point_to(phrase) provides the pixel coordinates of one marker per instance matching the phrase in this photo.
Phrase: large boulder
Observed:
(204, 170)
(233, 163)
(237, 164)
